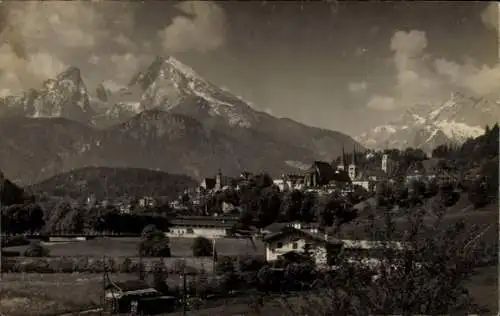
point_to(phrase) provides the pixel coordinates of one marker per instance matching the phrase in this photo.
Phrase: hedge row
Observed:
(99, 265)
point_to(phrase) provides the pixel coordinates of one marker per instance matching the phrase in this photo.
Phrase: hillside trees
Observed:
(291, 205)
(333, 211)
(20, 218)
(426, 277)
(260, 201)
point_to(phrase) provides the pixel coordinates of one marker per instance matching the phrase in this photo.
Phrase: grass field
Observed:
(48, 294)
(127, 247)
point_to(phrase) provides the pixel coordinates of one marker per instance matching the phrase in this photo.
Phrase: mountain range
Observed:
(427, 126)
(168, 118)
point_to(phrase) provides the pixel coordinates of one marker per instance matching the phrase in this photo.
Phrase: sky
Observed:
(344, 66)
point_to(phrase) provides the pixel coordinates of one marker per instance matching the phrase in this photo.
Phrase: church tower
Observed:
(218, 180)
(341, 166)
(352, 166)
(384, 162)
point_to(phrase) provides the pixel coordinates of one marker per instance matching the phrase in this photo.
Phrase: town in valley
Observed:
(166, 158)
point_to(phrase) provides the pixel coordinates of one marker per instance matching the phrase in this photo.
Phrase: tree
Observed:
(160, 276)
(269, 204)
(424, 276)
(478, 194)
(154, 243)
(334, 210)
(36, 250)
(202, 247)
(226, 269)
(291, 205)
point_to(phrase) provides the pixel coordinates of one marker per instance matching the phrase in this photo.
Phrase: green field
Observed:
(127, 247)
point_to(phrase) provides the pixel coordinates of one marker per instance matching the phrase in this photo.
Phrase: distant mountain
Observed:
(168, 118)
(171, 86)
(32, 149)
(452, 122)
(112, 183)
(65, 96)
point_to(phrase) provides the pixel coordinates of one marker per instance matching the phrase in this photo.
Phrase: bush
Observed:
(81, 265)
(126, 266)
(15, 241)
(426, 278)
(154, 243)
(250, 264)
(202, 247)
(36, 250)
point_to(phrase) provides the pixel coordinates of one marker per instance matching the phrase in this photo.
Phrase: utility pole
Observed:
(214, 257)
(184, 287)
(1, 231)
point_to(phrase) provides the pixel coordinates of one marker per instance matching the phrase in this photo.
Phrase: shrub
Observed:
(81, 265)
(96, 266)
(202, 247)
(154, 243)
(178, 266)
(15, 241)
(126, 266)
(36, 250)
(250, 263)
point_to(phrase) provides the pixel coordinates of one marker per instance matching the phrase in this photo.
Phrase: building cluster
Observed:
(124, 205)
(321, 177)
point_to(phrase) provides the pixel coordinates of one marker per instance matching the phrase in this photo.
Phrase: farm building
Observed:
(137, 297)
(322, 246)
(206, 226)
(292, 239)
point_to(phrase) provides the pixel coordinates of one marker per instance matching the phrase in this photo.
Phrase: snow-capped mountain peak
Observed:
(454, 121)
(170, 85)
(63, 96)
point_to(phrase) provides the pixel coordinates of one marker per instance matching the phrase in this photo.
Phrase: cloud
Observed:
(480, 81)
(39, 39)
(355, 87)
(423, 79)
(125, 65)
(490, 15)
(17, 72)
(72, 24)
(124, 41)
(382, 103)
(200, 27)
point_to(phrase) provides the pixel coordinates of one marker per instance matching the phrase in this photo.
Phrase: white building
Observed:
(205, 226)
(322, 246)
(294, 239)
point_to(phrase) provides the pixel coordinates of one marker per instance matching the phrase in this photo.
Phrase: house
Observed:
(137, 297)
(208, 183)
(206, 226)
(325, 247)
(146, 201)
(294, 239)
(289, 182)
(320, 174)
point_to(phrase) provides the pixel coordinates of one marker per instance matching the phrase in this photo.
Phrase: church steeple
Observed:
(342, 164)
(352, 165)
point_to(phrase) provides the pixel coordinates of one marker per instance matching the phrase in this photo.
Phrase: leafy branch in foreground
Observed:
(425, 275)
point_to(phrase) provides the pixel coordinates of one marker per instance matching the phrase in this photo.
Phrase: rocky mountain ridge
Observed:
(168, 118)
(427, 126)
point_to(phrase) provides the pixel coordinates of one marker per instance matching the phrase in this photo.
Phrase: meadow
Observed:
(116, 247)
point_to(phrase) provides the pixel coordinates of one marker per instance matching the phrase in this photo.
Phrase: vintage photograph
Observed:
(203, 158)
